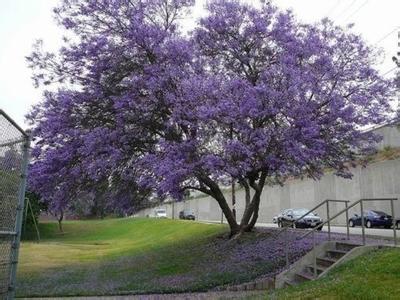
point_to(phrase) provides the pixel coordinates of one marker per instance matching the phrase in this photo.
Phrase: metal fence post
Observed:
(25, 217)
(19, 217)
(28, 204)
(362, 222)
(286, 247)
(314, 255)
(394, 222)
(347, 221)
(329, 221)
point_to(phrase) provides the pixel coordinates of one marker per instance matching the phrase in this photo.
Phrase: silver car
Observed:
(290, 217)
(276, 218)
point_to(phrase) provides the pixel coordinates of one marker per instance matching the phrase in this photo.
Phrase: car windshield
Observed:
(301, 211)
(160, 211)
(379, 213)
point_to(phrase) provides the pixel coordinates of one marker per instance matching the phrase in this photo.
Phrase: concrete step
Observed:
(320, 268)
(303, 271)
(289, 283)
(335, 254)
(326, 261)
(346, 246)
(304, 276)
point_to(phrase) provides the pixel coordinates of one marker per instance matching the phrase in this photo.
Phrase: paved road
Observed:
(388, 233)
(379, 232)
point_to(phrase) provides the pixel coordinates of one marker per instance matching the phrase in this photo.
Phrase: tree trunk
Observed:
(233, 225)
(254, 218)
(98, 209)
(250, 214)
(215, 192)
(60, 219)
(233, 199)
(247, 193)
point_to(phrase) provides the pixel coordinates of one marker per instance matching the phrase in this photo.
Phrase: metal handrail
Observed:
(284, 229)
(312, 231)
(338, 214)
(362, 217)
(318, 206)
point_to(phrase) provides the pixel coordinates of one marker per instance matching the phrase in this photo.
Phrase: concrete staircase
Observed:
(327, 256)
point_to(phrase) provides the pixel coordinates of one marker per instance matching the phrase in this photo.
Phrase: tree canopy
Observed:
(251, 95)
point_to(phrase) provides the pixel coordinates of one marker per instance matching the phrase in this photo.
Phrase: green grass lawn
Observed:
(372, 276)
(143, 255)
(125, 256)
(114, 256)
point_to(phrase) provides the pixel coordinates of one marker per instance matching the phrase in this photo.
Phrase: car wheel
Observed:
(351, 223)
(369, 224)
(279, 224)
(398, 225)
(319, 228)
(387, 226)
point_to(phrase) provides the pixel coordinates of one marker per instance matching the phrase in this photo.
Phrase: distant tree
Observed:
(32, 213)
(251, 95)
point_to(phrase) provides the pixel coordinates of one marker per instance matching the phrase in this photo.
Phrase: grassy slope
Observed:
(100, 257)
(372, 276)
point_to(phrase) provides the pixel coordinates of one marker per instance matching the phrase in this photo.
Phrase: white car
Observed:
(275, 219)
(160, 213)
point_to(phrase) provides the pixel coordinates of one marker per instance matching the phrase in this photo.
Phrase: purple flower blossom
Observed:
(251, 95)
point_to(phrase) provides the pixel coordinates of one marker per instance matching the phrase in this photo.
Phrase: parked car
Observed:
(289, 217)
(160, 213)
(372, 218)
(186, 215)
(276, 218)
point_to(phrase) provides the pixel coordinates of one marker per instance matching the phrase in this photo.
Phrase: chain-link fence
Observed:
(14, 145)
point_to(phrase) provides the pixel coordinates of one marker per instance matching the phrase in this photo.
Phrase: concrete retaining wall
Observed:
(390, 135)
(380, 179)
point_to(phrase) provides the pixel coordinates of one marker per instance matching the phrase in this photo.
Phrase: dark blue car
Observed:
(372, 218)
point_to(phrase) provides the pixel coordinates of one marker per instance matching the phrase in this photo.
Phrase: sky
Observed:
(24, 21)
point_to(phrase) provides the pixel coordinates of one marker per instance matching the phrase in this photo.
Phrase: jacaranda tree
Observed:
(251, 95)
